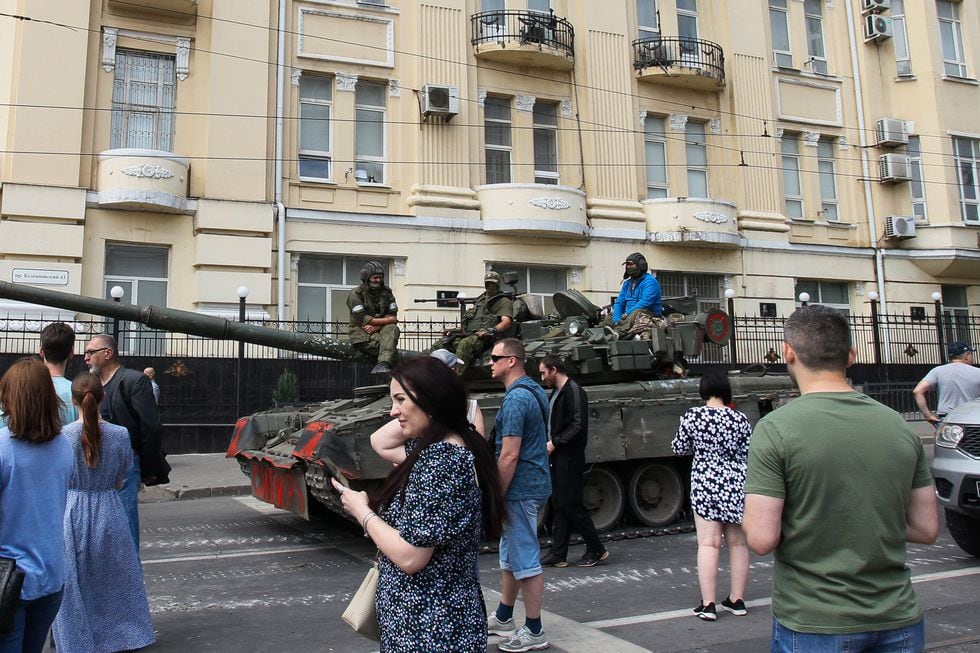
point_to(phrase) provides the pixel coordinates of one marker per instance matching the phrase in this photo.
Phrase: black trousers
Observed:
(567, 468)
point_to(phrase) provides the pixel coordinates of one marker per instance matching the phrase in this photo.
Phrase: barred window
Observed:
(542, 281)
(323, 283)
(708, 288)
(143, 101)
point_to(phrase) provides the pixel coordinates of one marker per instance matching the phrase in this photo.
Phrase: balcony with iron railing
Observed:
(680, 61)
(523, 38)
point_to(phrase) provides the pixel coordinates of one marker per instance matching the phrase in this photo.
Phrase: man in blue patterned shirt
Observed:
(521, 443)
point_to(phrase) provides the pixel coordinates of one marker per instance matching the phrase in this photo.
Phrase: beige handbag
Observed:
(360, 613)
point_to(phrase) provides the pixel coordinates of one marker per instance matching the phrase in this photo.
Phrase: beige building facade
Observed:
(184, 148)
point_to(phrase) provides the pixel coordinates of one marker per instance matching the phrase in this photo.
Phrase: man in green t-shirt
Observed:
(837, 484)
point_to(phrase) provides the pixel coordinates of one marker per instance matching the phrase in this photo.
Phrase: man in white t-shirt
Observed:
(958, 382)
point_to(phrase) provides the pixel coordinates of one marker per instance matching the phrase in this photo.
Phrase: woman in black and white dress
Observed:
(718, 436)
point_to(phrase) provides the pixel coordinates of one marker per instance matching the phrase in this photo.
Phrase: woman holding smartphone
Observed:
(428, 516)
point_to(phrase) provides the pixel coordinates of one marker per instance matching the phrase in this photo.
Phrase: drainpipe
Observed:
(277, 187)
(865, 170)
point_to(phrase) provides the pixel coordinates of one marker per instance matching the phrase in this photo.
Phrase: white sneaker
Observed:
(524, 640)
(497, 627)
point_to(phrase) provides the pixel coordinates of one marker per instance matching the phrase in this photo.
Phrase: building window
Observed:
(142, 274)
(687, 26)
(968, 166)
(779, 27)
(539, 283)
(539, 6)
(497, 137)
(917, 186)
(951, 34)
(708, 288)
(315, 106)
(956, 314)
(655, 141)
(697, 159)
(813, 13)
(828, 179)
(646, 19)
(792, 188)
(903, 62)
(828, 293)
(545, 117)
(369, 137)
(143, 101)
(323, 283)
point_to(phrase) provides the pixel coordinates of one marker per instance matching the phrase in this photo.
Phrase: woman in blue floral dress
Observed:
(428, 517)
(719, 438)
(104, 608)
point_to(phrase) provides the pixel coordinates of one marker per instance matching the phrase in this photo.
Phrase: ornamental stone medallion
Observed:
(148, 170)
(550, 203)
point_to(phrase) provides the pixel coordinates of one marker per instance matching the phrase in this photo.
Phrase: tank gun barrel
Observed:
(195, 324)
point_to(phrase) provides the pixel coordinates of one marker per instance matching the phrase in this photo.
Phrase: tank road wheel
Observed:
(656, 494)
(602, 494)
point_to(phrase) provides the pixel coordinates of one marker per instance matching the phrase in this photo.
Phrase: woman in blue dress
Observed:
(428, 516)
(35, 463)
(104, 608)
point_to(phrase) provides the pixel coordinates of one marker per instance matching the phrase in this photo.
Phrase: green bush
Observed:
(287, 388)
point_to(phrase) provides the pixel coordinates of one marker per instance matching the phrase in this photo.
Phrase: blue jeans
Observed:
(520, 553)
(31, 625)
(910, 639)
(129, 494)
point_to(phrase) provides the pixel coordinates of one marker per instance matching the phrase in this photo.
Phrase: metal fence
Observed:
(880, 339)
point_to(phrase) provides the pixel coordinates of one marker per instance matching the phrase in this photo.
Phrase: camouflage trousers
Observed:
(383, 343)
(640, 321)
(470, 348)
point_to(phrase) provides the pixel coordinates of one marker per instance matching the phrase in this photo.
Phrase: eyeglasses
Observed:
(93, 352)
(494, 357)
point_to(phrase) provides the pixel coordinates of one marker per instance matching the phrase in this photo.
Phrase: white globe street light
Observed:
(730, 293)
(117, 292)
(804, 297)
(873, 296)
(937, 297)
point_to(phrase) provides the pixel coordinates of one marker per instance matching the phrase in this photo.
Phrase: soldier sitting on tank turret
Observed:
(638, 306)
(490, 319)
(374, 317)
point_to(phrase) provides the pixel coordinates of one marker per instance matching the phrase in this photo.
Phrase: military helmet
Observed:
(491, 277)
(640, 261)
(371, 268)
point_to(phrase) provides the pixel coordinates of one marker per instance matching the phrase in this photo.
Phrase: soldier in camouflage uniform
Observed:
(374, 317)
(488, 320)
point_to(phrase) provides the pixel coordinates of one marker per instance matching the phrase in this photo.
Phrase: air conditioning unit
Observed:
(894, 168)
(899, 226)
(877, 28)
(875, 6)
(439, 100)
(892, 132)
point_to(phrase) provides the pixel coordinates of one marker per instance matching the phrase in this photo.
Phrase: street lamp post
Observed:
(873, 297)
(116, 292)
(732, 347)
(937, 299)
(242, 296)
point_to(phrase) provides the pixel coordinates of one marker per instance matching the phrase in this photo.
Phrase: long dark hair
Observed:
(439, 391)
(30, 402)
(87, 393)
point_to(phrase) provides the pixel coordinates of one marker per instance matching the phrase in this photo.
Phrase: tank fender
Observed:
(245, 437)
(320, 444)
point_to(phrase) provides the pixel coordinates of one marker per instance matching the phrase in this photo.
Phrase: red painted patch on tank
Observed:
(283, 488)
(233, 448)
(310, 439)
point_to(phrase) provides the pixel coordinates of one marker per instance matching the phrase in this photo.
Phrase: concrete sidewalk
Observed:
(202, 475)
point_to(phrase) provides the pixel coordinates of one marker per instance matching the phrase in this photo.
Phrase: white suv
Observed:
(956, 470)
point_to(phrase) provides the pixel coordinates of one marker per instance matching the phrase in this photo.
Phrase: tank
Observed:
(637, 386)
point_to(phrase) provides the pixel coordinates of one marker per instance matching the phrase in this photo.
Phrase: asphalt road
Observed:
(228, 574)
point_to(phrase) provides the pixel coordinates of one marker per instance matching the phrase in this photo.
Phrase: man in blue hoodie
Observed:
(639, 297)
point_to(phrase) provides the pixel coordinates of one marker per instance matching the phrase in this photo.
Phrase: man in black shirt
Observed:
(568, 432)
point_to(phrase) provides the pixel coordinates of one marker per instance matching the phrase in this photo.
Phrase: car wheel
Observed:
(965, 531)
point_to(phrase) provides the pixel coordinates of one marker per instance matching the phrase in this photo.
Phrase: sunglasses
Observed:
(494, 357)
